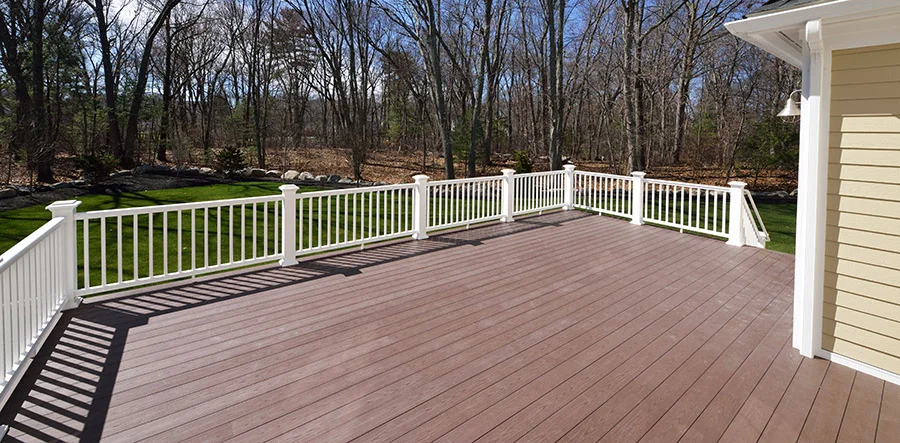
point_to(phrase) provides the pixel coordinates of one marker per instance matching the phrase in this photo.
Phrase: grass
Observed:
(781, 222)
(18, 223)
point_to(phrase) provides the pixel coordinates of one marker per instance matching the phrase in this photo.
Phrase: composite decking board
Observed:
(568, 367)
(793, 409)
(524, 367)
(712, 335)
(861, 417)
(381, 411)
(230, 425)
(684, 422)
(757, 408)
(693, 385)
(181, 367)
(523, 320)
(889, 415)
(579, 390)
(827, 413)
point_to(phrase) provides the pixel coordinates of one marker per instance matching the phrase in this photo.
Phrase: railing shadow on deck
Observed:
(66, 392)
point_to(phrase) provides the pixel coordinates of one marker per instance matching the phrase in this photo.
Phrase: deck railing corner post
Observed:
(420, 207)
(736, 214)
(569, 197)
(288, 225)
(637, 197)
(66, 209)
(508, 195)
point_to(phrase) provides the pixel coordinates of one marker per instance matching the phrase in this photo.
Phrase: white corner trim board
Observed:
(857, 365)
(811, 203)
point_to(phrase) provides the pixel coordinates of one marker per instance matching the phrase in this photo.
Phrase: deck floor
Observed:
(562, 327)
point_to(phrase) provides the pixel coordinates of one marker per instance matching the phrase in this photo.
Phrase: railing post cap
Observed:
(420, 178)
(508, 171)
(63, 204)
(288, 188)
(638, 174)
(737, 184)
(569, 167)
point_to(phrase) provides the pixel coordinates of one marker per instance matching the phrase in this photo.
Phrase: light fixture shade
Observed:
(791, 108)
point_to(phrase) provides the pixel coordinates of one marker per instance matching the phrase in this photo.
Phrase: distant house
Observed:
(847, 278)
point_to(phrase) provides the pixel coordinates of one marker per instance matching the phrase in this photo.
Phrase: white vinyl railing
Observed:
(120, 248)
(691, 207)
(463, 202)
(100, 251)
(36, 284)
(539, 191)
(603, 193)
(336, 219)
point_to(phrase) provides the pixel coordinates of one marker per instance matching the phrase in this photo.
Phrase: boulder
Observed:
(207, 171)
(781, 194)
(306, 176)
(193, 170)
(43, 188)
(321, 178)
(794, 192)
(346, 180)
(143, 169)
(162, 168)
(78, 182)
(24, 190)
(334, 178)
(256, 172)
(121, 173)
(273, 173)
(290, 175)
(8, 193)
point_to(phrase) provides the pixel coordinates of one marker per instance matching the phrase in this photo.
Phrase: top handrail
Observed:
(175, 207)
(686, 185)
(604, 175)
(332, 192)
(28, 243)
(539, 174)
(466, 180)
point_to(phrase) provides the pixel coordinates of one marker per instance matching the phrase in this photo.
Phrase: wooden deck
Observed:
(564, 327)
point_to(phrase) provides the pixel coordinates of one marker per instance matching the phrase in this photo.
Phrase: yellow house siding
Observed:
(861, 311)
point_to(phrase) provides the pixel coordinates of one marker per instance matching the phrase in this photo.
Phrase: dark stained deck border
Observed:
(561, 327)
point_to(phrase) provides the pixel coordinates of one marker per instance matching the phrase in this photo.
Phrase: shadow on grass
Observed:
(66, 392)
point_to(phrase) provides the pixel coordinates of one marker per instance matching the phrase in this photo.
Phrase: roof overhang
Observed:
(780, 32)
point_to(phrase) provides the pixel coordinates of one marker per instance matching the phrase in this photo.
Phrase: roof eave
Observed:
(778, 32)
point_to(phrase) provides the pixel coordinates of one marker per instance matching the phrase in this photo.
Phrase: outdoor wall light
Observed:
(791, 107)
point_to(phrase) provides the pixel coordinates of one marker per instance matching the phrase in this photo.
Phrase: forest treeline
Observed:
(637, 83)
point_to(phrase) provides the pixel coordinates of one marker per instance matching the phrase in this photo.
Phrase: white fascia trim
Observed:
(796, 18)
(857, 365)
(769, 31)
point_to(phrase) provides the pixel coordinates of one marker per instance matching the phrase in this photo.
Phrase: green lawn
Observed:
(18, 223)
(781, 222)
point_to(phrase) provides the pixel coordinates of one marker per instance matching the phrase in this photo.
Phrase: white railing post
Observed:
(420, 207)
(508, 196)
(69, 260)
(736, 214)
(288, 225)
(569, 197)
(637, 197)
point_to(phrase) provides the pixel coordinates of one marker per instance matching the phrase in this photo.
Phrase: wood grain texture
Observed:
(562, 325)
